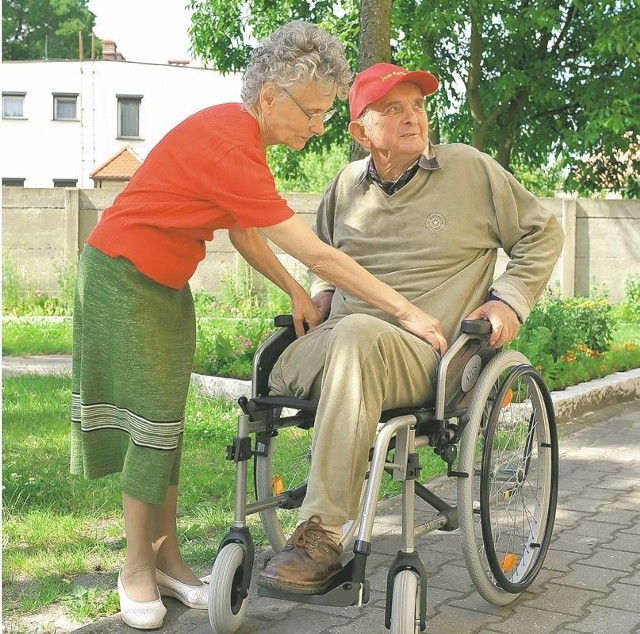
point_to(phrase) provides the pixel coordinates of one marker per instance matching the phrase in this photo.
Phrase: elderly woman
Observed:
(134, 322)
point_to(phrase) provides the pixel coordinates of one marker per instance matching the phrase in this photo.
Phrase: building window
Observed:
(13, 182)
(13, 105)
(65, 106)
(129, 116)
(65, 182)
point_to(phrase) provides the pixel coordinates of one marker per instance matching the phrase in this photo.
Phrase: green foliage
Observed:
(570, 340)
(230, 328)
(309, 171)
(226, 348)
(20, 297)
(45, 29)
(522, 81)
(90, 603)
(629, 308)
(544, 181)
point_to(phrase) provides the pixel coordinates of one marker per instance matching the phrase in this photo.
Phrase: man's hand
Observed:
(424, 326)
(504, 321)
(322, 300)
(304, 311)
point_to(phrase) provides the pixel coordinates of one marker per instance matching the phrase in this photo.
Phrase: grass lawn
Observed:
(58, 527)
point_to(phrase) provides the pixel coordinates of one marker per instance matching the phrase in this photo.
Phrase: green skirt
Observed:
(133, 347)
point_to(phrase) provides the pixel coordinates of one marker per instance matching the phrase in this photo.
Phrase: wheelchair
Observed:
(492, 424)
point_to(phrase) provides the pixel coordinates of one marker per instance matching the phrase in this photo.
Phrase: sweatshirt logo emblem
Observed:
(435, 222)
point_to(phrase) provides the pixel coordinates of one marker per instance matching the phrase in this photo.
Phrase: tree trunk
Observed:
(507, 126)
(374, 45)
(375, 33)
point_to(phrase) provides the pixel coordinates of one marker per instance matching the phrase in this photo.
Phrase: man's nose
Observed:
(410, 115)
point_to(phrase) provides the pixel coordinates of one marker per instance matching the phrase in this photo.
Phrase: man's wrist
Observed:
(495, 298)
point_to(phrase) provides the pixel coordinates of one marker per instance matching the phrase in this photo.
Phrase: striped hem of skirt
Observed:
(160, 435)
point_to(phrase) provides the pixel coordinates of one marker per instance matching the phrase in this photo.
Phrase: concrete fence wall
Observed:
(44, 230)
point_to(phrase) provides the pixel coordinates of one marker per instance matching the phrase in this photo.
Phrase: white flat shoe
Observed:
(143, 615)
(196, 597)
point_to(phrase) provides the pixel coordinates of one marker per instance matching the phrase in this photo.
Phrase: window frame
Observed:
(61, 97)
(13, 182)
(13, 94)
(122, 100)
(65, 182)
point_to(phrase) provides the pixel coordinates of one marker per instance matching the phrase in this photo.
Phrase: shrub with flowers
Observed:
(569, 340)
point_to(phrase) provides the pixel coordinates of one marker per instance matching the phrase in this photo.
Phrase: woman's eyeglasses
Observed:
(313, 118)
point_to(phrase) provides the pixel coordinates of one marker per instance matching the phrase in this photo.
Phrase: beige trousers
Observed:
(356, 367)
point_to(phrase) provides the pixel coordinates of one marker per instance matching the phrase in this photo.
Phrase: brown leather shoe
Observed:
(307, 563)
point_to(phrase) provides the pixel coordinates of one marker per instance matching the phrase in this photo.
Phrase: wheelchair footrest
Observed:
(343, 591)
(344, 595)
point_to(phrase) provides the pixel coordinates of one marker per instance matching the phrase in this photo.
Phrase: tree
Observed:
(531, 82)
(44, 29)
(528, 81)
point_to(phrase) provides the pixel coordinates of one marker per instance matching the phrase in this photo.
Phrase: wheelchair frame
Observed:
(474, 385)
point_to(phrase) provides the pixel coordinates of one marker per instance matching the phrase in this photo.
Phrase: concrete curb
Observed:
(592, 395)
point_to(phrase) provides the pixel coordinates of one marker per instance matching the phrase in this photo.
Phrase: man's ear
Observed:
(357, 131)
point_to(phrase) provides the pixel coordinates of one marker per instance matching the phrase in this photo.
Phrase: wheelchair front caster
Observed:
(405, 607)
(227, 601)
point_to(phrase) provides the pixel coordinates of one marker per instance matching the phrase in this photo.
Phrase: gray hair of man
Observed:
(297, 52)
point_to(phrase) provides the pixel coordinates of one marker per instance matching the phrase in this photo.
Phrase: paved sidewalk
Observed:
(590, 583)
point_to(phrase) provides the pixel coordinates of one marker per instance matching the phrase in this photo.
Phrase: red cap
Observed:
(376, 81)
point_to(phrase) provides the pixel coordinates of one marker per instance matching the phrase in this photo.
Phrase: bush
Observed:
(227, 347)
(569, 340)
(19, 296)
(231, 327)
(629, 308)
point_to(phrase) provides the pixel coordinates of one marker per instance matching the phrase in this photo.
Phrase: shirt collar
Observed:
(427, 161)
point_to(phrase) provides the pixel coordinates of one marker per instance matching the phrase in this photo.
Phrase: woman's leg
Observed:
(164, 538)
(138, 571)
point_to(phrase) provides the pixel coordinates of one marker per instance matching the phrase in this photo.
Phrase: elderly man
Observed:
(427, 220)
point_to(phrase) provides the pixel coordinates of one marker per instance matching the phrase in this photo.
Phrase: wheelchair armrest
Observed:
(283, 321)
(476, 328)
(282, 401)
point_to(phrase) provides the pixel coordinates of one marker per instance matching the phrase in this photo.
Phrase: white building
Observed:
(61, 120)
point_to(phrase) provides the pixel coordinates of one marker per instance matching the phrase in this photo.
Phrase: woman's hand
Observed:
(304, 311)
(424, 326)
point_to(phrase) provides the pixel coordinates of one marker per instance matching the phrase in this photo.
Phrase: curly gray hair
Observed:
(294, 53)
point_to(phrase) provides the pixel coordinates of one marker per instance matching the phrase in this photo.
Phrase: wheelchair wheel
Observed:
(507, 504)
(405, 606)
(288, 452)
(227, 606)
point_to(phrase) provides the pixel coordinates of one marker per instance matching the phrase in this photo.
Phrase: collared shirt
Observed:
(426, 161)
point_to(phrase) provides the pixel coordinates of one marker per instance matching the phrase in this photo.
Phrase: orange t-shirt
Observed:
(209, 172)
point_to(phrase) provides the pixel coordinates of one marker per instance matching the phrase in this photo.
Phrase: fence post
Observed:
(568, 280)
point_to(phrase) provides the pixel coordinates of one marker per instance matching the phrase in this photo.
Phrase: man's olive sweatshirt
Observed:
(436, 240)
